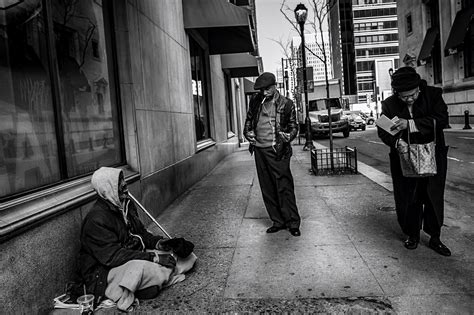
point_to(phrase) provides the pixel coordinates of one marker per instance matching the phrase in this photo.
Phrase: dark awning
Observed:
(458, 31)
(428, 43)
(240, 65)
(225, 26)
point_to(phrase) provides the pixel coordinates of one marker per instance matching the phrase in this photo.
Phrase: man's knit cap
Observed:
(265, 80)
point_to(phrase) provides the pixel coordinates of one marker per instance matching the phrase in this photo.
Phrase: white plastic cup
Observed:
(86, 302)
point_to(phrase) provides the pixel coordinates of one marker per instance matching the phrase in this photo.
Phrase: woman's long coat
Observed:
(428, 107)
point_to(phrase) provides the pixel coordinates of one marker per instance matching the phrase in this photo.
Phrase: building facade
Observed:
(364, 40)
(376, 48)
(437, 38)
(341, 32)
(155, 88)
(314, 60)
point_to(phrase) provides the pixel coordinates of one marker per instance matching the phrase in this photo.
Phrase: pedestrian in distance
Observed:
(270, 126)
(419, 201)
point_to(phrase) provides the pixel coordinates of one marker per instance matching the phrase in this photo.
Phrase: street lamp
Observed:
(301, 12)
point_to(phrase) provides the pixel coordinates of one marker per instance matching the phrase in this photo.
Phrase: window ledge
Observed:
(29, 211)
(204, 144)
(464, 85)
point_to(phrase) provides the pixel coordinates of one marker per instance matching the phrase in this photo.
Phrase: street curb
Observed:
(370, 172)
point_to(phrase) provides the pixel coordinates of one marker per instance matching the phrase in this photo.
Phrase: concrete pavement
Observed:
(349, 259)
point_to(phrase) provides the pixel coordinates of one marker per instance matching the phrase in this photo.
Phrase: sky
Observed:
(271, 24)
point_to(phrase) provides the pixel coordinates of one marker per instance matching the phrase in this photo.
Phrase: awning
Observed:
(226, 27)
(458, 31)
(240, 65)
(428, 43)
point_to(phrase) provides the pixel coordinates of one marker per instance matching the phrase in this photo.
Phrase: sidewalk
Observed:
(350, 257)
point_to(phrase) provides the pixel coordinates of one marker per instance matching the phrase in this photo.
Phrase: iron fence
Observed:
(341, 161)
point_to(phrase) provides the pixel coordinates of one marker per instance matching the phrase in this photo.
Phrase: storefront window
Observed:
(53, 130)
(28, 145)
(228, 100)
(199, 86)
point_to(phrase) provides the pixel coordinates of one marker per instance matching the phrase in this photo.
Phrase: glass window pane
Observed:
(28, 148)
(90, 120)
(199, 87)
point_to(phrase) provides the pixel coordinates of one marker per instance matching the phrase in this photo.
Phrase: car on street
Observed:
(355, 120)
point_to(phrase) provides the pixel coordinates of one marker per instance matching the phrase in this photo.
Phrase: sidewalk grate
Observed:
(344, 161)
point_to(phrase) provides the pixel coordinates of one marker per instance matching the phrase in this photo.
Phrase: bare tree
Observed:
(287, 52)
(317, 17)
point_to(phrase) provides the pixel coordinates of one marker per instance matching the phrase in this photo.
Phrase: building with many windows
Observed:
(341, 32)
(314, 57)
(314, 54)
(437, 38)
(364, 40)
(155, 88)
(376, 48)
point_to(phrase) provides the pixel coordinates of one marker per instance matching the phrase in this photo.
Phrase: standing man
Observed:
(419, 201)
(270, 127)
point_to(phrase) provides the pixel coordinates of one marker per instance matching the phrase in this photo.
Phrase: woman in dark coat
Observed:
(419, 201)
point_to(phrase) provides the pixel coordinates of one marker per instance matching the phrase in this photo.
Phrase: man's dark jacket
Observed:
(106, 243)
(285, 121)
(428, 107)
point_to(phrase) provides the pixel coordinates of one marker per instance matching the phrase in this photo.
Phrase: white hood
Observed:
(105, 181)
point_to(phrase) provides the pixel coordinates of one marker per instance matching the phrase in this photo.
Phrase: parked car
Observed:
(355, 120)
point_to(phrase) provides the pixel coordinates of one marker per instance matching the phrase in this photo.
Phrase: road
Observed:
(459, 183)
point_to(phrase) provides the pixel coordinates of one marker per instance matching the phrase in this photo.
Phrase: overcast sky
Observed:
(271, 24)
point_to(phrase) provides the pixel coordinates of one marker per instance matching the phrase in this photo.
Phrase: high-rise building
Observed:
(364, 39)
(341, 31)
(314, 58)
(376, 47)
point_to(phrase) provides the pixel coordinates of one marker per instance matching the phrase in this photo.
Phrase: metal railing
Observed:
(344, 161)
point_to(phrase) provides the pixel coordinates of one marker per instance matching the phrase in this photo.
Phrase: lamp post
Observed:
(301, 12)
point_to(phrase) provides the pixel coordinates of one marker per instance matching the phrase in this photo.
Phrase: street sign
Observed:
(299, 74)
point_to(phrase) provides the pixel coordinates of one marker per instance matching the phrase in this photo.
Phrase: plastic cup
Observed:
(86, 302)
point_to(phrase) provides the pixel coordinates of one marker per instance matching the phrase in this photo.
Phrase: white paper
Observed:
(385, 123)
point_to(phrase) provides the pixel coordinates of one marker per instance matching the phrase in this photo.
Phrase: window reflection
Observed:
(89, 119)
(28, 148)
(33, 110)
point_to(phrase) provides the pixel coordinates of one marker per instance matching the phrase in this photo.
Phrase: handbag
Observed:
(417, 160)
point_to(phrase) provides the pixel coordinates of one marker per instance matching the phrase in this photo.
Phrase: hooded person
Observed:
(421, 114)
(114, 261)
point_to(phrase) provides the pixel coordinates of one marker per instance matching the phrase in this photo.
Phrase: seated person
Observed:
(114, 261)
